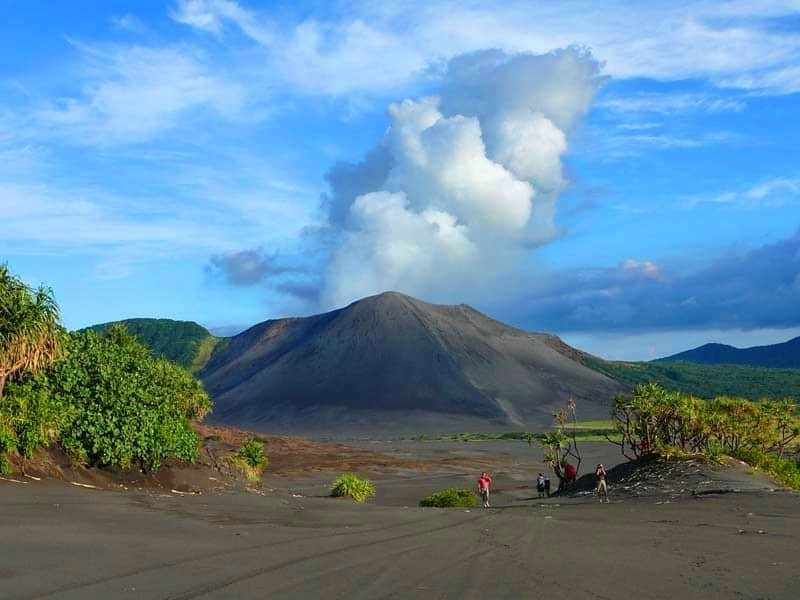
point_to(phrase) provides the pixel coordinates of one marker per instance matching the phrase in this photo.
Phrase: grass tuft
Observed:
(451, 498)
(251, 459)
(349, 484)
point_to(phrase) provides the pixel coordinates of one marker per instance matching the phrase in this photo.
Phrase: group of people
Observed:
(543, 483)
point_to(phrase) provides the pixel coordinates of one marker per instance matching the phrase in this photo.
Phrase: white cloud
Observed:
(129, 22)
(391, 246)
(641, 268)
(470, 178)
(211, 15)
(671, 103)
(369, 47)
(132, 94)
(772, 187)
(773, 192)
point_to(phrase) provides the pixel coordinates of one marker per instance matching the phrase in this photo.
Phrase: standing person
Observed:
(602, 486)
(540, 483)
(483, 488)
(570, 475)
(547, 485)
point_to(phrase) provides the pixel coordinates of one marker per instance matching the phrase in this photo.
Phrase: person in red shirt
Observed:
(483, 488)
(570, 475)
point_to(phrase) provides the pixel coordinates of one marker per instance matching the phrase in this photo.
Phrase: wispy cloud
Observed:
(212, 15)
(135, 93)
(671, 103)
(615, 146)
(773, 192)
(368, 46)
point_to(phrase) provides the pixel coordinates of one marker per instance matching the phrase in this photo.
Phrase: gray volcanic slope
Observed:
(391, 362)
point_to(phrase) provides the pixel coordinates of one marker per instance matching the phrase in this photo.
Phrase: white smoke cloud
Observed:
(471, 178)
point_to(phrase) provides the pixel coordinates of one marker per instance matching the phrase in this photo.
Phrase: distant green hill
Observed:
(704, 381)
(785, 355)
(183, 342)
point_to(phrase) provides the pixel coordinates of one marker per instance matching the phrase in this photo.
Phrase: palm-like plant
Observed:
(30, 332)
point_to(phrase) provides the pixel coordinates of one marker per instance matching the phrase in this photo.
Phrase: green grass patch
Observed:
(204, 349)
(784, 470)
(451, 498)
(349, 484)
(584, 433)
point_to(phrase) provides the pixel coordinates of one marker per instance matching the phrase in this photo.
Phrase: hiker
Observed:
(483, 488)
(602, 487)
(570, 475)
(540, 485)
(547, 485)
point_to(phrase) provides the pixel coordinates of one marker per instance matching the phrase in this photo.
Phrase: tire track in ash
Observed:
(215, 587)
(227, 553)
(374, 578)
(285, 590)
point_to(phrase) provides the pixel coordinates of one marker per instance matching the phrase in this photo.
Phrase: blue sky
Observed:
(625, 175)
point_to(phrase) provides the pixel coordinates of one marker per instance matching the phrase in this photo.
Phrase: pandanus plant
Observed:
(30, 332)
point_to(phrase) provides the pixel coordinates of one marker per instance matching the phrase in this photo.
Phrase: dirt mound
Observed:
(672, 479)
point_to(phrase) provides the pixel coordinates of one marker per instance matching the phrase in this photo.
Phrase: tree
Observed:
(30, 332)
(562, 444)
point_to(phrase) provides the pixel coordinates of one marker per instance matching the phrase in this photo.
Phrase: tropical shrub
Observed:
(30, 332)
(671, 423)
(451, 498)
(654, 418)
(8, 443)
(251, 458)
(349, 484)
(108, 402)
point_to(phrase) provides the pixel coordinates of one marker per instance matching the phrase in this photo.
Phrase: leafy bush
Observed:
(654, 419)
(251, 458)
(33, 416)
(108, 402)
(8, 443)
(252, 453)
(349, 484)
(452, 498)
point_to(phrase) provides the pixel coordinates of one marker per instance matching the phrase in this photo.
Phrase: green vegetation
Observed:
(252, 459)
(349, 484)
(183, 342)
(782, 469)
(108, 402)
(704, 381)
(586, 431)
(451, 498)
(654, 420)
(30, 332)
(103, 398)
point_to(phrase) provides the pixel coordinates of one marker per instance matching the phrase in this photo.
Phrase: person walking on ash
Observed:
(540, 485)
(483, 488)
